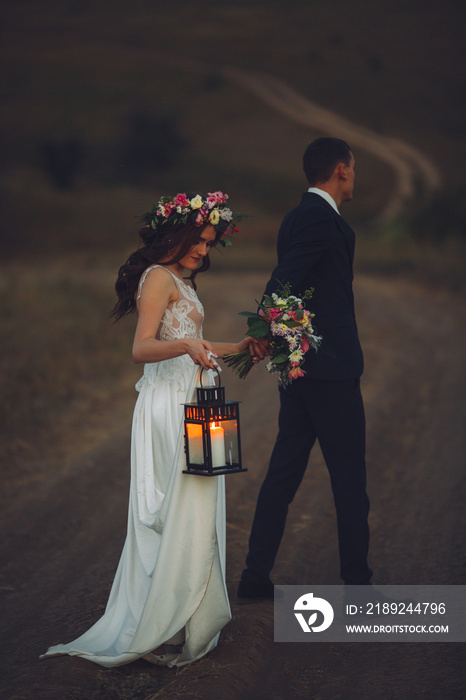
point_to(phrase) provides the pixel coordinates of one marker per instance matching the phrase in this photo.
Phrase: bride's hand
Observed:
(197, 349)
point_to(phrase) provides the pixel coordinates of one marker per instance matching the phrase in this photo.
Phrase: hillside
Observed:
(106, 106)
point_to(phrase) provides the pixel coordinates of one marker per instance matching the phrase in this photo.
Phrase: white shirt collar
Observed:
(328, 198)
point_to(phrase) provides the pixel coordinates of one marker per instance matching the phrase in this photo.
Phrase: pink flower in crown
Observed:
(166, 209)
(181, 200)
(199, 219)
(214, 198)
(211, 200)
(304, 345)
(230, 229)
(295, 373)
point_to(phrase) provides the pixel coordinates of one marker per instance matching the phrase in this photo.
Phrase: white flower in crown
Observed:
(226, 214)
(196, 202)
(214, 217)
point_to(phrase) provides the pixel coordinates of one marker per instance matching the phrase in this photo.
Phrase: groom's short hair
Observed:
(321, 158)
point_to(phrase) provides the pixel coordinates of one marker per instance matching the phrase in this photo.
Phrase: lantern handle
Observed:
(214, 370)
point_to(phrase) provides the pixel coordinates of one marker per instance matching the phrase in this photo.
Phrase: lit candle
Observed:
(217, 440)
(196, 451)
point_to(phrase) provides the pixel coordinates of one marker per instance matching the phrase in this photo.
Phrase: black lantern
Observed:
(212, 439)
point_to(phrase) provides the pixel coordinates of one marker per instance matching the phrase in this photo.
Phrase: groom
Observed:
(316, 249)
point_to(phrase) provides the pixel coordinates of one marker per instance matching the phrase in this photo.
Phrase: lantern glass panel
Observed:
(230, 429)
(195, 443)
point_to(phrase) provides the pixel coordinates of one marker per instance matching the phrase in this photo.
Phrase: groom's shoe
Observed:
(249, 592)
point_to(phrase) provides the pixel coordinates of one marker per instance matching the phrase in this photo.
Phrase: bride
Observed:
(168, 601)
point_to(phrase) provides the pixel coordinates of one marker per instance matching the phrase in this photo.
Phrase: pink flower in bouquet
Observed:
(273, 313)
(304, 345)
(296, 372)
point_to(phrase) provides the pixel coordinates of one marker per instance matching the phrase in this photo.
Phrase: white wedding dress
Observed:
(171, 575)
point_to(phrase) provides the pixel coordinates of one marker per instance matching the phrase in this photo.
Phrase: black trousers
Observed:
(333, 413)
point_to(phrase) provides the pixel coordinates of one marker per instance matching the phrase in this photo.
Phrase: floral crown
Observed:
(184, 209)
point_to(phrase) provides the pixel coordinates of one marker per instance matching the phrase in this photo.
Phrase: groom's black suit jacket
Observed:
(316, 249)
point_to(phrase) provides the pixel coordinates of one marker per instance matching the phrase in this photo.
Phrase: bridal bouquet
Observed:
(286, 324)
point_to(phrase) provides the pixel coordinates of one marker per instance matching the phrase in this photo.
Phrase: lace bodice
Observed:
(182, 318)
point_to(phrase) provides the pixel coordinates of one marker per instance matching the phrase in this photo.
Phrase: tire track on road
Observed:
(412, 168)
(408, 164)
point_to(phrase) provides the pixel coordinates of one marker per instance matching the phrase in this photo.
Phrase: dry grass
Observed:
(392, 251)
(63, 363)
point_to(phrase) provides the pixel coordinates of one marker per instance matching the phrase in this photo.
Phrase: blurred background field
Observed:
(107, 105)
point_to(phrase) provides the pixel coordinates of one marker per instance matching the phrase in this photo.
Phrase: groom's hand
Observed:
(259, 348)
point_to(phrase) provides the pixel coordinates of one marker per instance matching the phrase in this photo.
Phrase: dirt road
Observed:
(62, 539)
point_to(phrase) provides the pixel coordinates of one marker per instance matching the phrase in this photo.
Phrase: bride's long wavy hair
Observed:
(170, 245)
